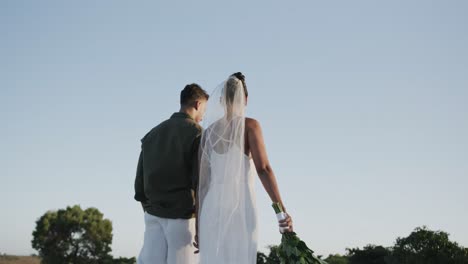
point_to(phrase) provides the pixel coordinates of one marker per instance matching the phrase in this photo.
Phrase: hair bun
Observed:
(239, 76)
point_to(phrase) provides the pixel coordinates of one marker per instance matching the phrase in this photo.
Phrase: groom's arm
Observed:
(195, 182)
(195, 162)
(139, 183)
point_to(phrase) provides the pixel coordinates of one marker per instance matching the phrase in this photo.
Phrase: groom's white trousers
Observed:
(168, 241)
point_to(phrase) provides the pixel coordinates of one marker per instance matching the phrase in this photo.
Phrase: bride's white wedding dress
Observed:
(226, 194)
(238, 242)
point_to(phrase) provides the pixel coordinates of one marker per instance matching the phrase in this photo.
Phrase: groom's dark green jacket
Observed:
(167, 169)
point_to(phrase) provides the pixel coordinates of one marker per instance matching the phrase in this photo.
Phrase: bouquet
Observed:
(292, 249)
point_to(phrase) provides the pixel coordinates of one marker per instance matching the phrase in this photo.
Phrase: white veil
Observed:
(225, 228)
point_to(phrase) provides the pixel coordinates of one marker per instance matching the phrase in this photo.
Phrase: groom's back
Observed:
(169, 156)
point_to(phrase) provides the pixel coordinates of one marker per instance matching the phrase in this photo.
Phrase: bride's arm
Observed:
(262, 165)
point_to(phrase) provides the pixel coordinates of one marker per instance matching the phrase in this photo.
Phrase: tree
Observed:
(337, 259)
(261, 258)
(370, 254)
(272, 257)
(73, 236)
(120, 261)
(424, 246)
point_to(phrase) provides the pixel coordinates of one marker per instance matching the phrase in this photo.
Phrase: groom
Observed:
(166, 181)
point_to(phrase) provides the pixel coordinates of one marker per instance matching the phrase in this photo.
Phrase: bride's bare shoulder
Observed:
(251, 123)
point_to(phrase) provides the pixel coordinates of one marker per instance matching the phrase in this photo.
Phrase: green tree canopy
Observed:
(370, 254)
(73, 236)
(337, 259)
(424, 246)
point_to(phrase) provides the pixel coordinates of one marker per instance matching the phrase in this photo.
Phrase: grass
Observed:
(8, 259)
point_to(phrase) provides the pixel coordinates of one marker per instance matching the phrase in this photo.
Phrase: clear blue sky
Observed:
(364, 107)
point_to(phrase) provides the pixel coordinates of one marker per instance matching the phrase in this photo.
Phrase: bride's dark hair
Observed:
(232, 87)
(241, 77)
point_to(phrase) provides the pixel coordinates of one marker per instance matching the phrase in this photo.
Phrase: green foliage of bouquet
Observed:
(292, 249)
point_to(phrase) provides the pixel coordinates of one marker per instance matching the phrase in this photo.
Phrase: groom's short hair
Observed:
(191, 93)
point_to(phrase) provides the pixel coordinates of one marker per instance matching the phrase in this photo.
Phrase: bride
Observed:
(232, 151)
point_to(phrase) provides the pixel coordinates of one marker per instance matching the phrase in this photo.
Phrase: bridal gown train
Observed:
(228, 221)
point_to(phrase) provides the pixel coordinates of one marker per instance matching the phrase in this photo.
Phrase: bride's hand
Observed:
(287, 223)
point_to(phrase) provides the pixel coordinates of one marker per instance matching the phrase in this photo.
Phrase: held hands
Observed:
(196, 245)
